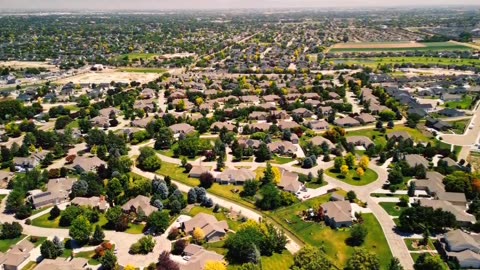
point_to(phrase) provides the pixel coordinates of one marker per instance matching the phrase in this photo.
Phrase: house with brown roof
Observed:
(107, 111)
(287, 124)
(254, 144)
(196, 171)
(182, 128)
(282, 148)
(338, 213)
(302, 112)
(133, 205)
(414, 160)
(86, 164)
(213, 229)
(93, 202)
(399, 135)
(319, 140)
(235, 176)
(199, 257)
(17, 257)
(365, 118)
(346, 122)
(220, 125)
(61, 264)
(100, 121)
(289, 182)
(258, 115)
(318, 125)
(260, 126)
(142, 122)
(359, 141)
(57, 192)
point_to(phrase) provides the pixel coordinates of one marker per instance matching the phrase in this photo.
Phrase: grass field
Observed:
(464, 104)
(143, 70)
(144, 56)
(397, 46)
(379, 138)
(333, 241)
(352, 178)
(392, 208)
(6, 244)
(375, 61)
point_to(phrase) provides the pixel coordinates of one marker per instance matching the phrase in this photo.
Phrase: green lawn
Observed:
(332, 241)
(6, 244)
(459, 126)
(221, 215)
(464, 104)
(379, 138)
(44, 221)
(142, 70)
(177, 173)
(352, 177)
(135, 228)
(277, 262)
(30, 265)
(413, 244)
(373, 62)
(89, 255)
(429, 46)
(392, 208)
(315, 185)
(281, 160)
(2, 196)
(385, 195)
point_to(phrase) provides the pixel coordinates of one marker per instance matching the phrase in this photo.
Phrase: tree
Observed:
(350, 160)
(360, 172)
(80, 229)
(268, 175)
(420, 172)
(158, 221)
(411, 189)
(214, 265)
(98, 235)
(263, 153)
(395, 264)
(271, 198)
(415, 219)
(11, 230)
(109, 260)
(395, 175)
(344, 170)
(49, 250)
(357, 235)
(363, 260)
(404, 200)
(165, 263)
(198, 235)
(364, 162)
(206, 180)
(338, 162)
(179, 246)
(80, 188)
(320, 177)
(250, 188)
(429, 262)
(54, 212)
(311, 258)
(114, 189)
(164, 138)
(351, 196)
(144, 245)
(148, 159)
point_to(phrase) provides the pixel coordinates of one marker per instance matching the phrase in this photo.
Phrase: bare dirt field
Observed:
(27, 64)
(108, 76)
(379, 45)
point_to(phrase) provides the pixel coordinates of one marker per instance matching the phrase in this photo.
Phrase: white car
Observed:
(186, 258)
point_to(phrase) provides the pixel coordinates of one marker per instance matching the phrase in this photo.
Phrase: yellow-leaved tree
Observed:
(214, 265)
(198, 235)
(364, 162)
(344, 169)
(129, 267)
(360, 172)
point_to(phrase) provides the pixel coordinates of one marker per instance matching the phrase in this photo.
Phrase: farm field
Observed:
(374, 62)
(396, 46)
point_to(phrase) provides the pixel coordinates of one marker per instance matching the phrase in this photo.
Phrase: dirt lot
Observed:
(108, 76)
(22, 64)
(380, 45)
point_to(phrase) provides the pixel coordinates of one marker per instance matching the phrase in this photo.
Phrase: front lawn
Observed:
(332, 241)
(281, 160)
(44, 221)
(30, 265)
(276, 262)
(352, 177)
(135, 228)
(89, 255)
(177, 173)
(6, 244)
(392, 208)
(463, 104)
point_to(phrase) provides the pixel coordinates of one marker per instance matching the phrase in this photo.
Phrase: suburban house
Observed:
(318, 125)
(365, 118)
(133, 205)
(414, 160)
(60, 264)
(86, 164)
(338, 213)
(17, 257)
(433, 185)
(199, 257)
(57, 192)
(196, 171)
(397, 135)
(282, 147)
(302, 112)
(319, 141)
(235, 176)
(182, 128)
(213, 229)
(93, 202)
(30, 162)
(359, 141)
(220, 125)
(347, 122)
(289, 182)
(463, 247)
(451, 112)
(460, 213)
(110, 110)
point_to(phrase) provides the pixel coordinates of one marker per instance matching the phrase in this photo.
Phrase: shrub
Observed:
(173, 234)
(179, 247)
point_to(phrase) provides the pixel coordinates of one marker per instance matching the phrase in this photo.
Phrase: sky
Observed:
(213, 4)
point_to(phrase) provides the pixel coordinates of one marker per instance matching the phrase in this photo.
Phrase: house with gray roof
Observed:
(338, 213)
(414, 160)
(57, 192)
(235, 176)
(139, 202)
(463, 247)
(346, 122)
